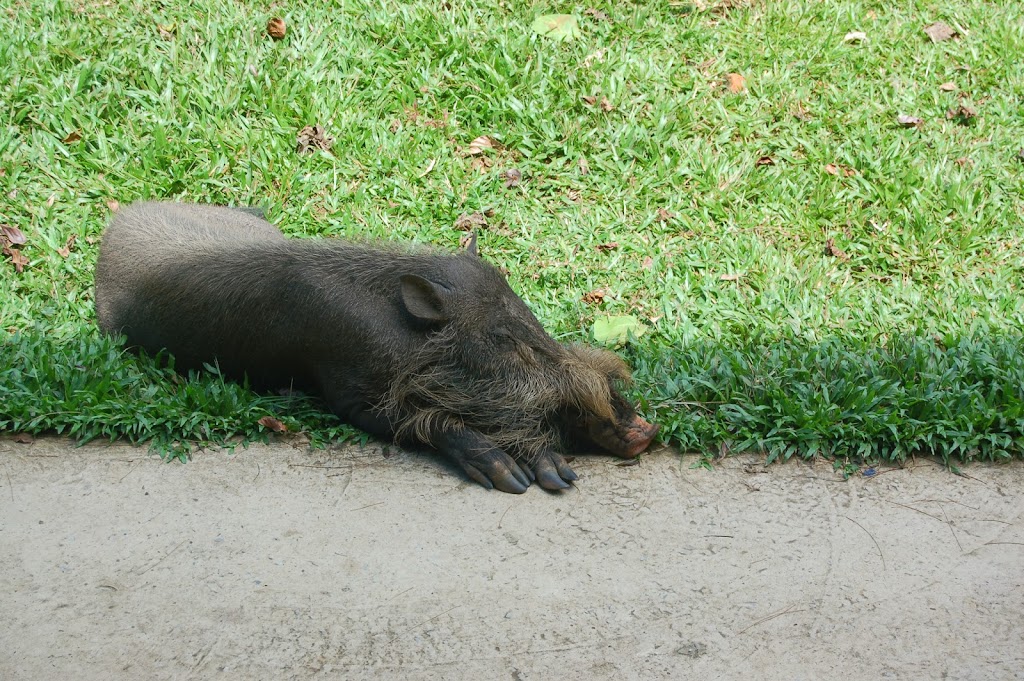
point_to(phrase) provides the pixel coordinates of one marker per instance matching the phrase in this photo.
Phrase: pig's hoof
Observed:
(496, 469)
(552, 471)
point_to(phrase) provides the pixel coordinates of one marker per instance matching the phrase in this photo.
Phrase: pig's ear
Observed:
(424, 299)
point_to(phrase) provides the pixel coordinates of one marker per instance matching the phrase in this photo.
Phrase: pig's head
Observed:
(489, 365)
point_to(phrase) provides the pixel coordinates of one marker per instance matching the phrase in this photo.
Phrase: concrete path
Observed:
(280, 563)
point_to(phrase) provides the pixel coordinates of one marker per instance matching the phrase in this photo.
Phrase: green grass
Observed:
(903, 338)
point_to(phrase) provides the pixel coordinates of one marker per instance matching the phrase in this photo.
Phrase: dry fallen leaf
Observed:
(12, 234)
(584, 166)
(512, 178)
(270, 423)
(276, 28)
(737, 83)
(17, 258)
(963, 161)
(430, 166)
(663, 215)
(589, 100)
(610, 246)
(606, 105)
(855, 37)
(909, 121)
(597, 14)
(648, 263)
(313, 137)
(480, 144)
(939, 32)
(835, 251)
(765, 161)
(729, 277)
(68, 245)
(595, 297)
(947, 87)
(574, 194)
(836, 169)
(72, 137)
(481, 164)
(113, 205)
(962, 114)
(23, 438)
(470, 221)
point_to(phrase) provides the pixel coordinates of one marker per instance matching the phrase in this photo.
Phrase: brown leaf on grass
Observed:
(835, 251)
(606, 106)
(962, 114)
(512, 178)
(939, 32)
(584, 166)
(648, 263)
(729, 277)
(480, 145)
(963, 161)
(737, 83)
(481, 164)
(68, 245)
(467, 242)
(276, 28)
(855, 37)
(663, 215)
(837, 170)
(610, 246)
(597, 14)
(72, 137)
(589, 100)
(948, 87)
(574, 195)
(596, 56)
(595, 297)
(270, 423)
(23, 438)
(765, 161)
(313, 137)
(909, 121)
(18, 259)
(113, 205)
(470, 221)
(12, 235)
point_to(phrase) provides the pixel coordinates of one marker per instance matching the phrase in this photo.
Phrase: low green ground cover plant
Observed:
(815, 209)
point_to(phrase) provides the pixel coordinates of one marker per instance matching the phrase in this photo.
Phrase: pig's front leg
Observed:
(482, 461)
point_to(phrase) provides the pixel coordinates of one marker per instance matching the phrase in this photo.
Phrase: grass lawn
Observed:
(815, 277)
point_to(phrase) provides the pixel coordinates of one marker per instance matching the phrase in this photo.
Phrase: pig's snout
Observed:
(638, 436)
(626, 437)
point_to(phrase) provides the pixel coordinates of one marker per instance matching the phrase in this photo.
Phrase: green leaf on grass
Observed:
(557, 26)
(616, 331)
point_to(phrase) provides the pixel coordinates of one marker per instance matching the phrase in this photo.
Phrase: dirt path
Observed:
(277, 563)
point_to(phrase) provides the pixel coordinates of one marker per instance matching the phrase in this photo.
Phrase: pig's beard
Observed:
(517, 407)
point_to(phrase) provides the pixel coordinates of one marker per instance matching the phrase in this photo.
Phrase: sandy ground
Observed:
(280, 563)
